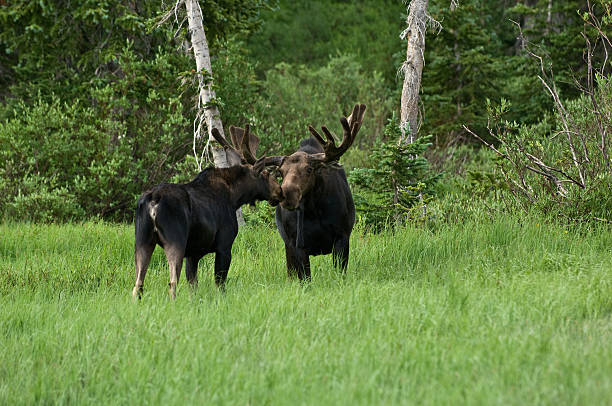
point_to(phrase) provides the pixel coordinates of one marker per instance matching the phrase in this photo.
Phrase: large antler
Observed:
(351, 127)
(244, 143)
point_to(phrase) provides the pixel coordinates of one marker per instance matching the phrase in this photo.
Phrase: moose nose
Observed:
(292, 196)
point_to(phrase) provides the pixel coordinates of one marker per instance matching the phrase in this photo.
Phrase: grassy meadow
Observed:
(510, 312)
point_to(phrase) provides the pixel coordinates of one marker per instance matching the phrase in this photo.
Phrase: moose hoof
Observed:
(137, 293)
(172, 291)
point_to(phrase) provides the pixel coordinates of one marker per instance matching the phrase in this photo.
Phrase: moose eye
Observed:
(309, 170)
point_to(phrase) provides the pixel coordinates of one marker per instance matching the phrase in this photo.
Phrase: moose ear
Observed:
(317, 160)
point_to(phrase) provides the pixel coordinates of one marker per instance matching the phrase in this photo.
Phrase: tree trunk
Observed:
(206, 102)
(548, 17)
(413, 68)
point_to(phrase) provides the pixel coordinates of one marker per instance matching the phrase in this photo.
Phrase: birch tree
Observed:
(207, 108)
(416, 28)
(208, 111)
(416, 22)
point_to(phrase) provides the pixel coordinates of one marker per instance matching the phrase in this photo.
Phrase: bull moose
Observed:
(317, 213)
(193, 219)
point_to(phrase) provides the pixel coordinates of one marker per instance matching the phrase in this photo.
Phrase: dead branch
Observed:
(591, 92)
(524, 187)
(491, 146)
(603, 220)
(558, 104)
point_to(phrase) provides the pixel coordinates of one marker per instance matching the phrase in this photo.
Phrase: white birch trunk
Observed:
(548, 18)
(413, 68)
(207, 94)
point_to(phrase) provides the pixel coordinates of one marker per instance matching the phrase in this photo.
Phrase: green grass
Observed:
(504, 313)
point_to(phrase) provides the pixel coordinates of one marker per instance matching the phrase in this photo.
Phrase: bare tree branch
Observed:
(558, 104)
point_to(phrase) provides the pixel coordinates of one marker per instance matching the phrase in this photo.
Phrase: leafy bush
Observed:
(64, 161)
(37, 201)
(42, 151)
(262, 214)
(560, 165)
(307, 32)
(90, 121)
(235, 83)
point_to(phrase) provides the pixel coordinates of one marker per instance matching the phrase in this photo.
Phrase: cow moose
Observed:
(196, 218)
(317, 213)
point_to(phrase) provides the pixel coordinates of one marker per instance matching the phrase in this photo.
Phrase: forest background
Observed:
(97, 100)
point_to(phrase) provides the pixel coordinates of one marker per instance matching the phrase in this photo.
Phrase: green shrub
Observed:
(43, 151)
(545, 172)
(262, 214)
(36, 201)
(70, 162)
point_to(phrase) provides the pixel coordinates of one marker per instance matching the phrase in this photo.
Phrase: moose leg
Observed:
(340, 253)
(174, 255)
(303, 269)
(191, 270)
(142, 257)
(223, 258)
(298, 262)
(292, 262)
(144, 244)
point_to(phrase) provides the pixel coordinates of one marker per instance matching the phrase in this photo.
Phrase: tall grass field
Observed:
(511, 312)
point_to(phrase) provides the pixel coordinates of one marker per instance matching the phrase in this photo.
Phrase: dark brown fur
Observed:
(317, 213)
(196, 218)
(323, 200)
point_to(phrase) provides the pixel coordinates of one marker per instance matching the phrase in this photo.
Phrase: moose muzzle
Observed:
(291, 197)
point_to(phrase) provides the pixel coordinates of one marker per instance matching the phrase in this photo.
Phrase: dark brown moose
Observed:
(193, 219)
(317, 213)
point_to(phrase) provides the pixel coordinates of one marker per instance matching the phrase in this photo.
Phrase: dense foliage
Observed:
(97, 100)
(295, 96)
(95, 110)
(478, 56)
(368, 29)
(568, 174)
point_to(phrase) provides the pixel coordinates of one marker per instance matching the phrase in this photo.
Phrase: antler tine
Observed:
(220, 139)
(316, 135)
(348, 137)
(235, 133)
(329, 146)
(331, 139)
(357, 113)
(356, 118)
(244, 147)
(350, 126)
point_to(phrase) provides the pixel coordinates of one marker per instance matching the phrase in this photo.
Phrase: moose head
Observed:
(299, 170)
(244, 148)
